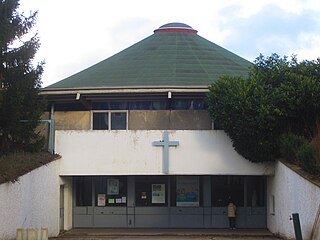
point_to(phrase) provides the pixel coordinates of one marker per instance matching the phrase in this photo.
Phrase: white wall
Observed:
(67, 204)
(131, 152)
(293, 194)
(32, 202)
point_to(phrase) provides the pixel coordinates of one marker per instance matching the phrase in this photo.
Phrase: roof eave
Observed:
(128, 89)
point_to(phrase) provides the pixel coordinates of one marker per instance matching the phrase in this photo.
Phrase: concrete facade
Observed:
(137, 120)
(199, 153)
(31, 202)
(66, 203)
(292, 194)
(76, 120)
(169, 119)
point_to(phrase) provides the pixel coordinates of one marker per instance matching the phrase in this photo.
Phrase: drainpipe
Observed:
(51, 131)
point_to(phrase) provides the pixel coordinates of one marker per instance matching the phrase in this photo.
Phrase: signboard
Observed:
(187, 191)
(158, 193)
(101, 200)
(112, 186)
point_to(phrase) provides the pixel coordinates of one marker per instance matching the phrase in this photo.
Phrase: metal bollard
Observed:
(296, 225)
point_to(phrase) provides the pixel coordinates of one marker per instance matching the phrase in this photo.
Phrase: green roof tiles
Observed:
(162, 59)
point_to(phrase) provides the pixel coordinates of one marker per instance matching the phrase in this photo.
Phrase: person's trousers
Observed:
(232, 222)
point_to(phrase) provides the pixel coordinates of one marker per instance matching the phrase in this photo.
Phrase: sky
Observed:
(76, 34)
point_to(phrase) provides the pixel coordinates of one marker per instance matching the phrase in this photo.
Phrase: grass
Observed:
(314, 178)
(17, 164)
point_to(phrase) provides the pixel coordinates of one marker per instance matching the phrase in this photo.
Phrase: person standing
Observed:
(232, 215)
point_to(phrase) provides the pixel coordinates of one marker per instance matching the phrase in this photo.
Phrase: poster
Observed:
(187, 191)
(112, 186)
(158, 193)
(143, 195)
(101, 200)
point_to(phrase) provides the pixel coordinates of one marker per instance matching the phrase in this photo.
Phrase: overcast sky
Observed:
(75, 34)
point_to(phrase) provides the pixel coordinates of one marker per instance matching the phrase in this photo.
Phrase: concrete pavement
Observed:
(167, 234)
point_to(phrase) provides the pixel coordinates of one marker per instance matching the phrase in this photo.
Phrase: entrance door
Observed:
(224, 189)
(247, 193)
(61, 219)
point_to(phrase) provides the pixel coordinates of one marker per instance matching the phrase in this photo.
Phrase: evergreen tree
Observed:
(20, 80)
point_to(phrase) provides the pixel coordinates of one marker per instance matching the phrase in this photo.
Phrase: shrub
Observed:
(290, 144)
(306, 157)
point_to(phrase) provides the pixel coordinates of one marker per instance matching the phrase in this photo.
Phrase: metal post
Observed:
(51, 131)
(297, 227)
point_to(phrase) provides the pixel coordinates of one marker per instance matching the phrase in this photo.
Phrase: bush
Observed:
(306, 157)
(289, 146)
(299, 149)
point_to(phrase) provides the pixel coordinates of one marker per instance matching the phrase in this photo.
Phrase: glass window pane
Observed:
(255, 191)
(100, 121)
(118, 121)
(159, 105)
(151, 191)
(181, 104)
(226, 187)
(177, 193)
(118, 105)
(83, 191)
(110, 191)
(187, 191)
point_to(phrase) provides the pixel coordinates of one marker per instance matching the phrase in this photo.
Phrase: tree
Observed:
(20, 80)
(280, 96)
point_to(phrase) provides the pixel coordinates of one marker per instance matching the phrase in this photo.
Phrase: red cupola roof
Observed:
(176, 27)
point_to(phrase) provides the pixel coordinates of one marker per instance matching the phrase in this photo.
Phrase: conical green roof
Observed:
(173, 56)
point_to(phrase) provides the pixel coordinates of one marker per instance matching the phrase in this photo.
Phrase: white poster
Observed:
(187, 191)
(112, 186)
(158, 193)
(101, 200)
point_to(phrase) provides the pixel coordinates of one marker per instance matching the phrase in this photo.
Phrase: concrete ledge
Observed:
(32, 234)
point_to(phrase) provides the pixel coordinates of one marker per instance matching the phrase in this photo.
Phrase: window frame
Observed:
(109, 119)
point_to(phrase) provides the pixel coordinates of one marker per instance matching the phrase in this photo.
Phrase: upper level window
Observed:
(167, 104)
(109, 120)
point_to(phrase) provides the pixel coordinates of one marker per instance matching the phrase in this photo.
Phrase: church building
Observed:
(138, 147)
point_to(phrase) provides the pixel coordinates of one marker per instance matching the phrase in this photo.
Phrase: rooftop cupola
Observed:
(176, 27)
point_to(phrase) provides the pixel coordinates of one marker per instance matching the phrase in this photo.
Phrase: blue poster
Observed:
(187, 191)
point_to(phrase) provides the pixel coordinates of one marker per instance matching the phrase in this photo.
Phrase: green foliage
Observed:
(242, 109)
(280, 96)
(20, 80)
(290, 145)
(306, 156)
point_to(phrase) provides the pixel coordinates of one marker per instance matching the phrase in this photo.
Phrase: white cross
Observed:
(165, 143)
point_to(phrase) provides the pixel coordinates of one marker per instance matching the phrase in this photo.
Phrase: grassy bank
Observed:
(17, 164)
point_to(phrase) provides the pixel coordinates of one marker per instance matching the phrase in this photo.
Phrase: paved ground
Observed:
(168, 238)
(166, 234)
